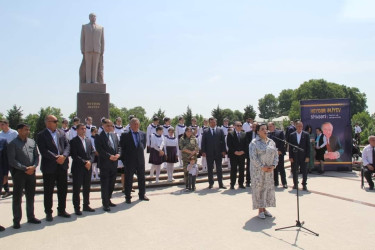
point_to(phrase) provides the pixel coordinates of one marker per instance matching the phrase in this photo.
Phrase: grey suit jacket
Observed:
(92, 39)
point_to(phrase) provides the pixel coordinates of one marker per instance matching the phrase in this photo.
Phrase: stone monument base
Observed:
(92, 104)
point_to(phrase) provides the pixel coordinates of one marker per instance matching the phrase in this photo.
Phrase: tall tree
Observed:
(115, 112)
(160, 114)
(295, 111)
(285, 100)
(14, 116)
(218, 114)
(187, 116)
(31, 120)
(249, 112)
(268, 106)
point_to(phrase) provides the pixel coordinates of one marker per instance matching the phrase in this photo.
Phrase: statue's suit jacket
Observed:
(92, 39)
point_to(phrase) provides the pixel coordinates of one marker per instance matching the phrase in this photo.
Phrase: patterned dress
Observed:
(262, 153)
(190, 144)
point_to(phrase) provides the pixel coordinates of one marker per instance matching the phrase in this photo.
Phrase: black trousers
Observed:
(23, 181)
(81, 178)
(280, 168)
(60, 179)
(237, 161)
(129, 173)
(210, 169)
(107, 183)
(248, 177)
(192, 179)
(368, 175)
(303, 169)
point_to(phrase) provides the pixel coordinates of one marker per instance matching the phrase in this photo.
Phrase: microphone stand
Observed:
(299, 224)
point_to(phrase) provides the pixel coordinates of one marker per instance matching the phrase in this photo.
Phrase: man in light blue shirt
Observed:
(8, 134)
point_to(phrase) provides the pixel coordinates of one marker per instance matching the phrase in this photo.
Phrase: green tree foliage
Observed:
(115, 112)
(268, 106)
(31, 120)
(295, 111)
(285, 100)
(237, 116)
(1, 116)
(367, 124)
(218, 114)
(249, 112)
(187, 116)
(14, 116)
(160, 114)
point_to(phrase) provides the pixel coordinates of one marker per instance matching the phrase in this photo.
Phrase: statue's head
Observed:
(92, 17)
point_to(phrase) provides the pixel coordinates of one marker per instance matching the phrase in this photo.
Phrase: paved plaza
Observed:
(335, 207)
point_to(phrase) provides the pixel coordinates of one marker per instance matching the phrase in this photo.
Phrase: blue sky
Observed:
(171, 54)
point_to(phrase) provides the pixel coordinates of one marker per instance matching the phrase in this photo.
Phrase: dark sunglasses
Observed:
(55, 121)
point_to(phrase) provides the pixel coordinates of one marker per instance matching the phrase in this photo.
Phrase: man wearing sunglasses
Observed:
(55, 149)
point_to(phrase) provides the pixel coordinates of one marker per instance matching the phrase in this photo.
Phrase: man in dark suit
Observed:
(213, 148)
(107, 146)
(82, 153)
(299, 158)
(275, 134)
(236, 142)
(55, 149)
(289, 130)
(334, 148)
(3, 165)
(133, 144)
(250, 135)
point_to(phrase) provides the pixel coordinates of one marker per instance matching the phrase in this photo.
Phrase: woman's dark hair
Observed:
(158, 128)
(187, 129)
(308, 129)
(318, 128)
(258, 126)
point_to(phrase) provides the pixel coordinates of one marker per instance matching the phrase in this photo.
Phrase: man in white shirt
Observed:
(368, 158)
(247, 126)
(357, 133)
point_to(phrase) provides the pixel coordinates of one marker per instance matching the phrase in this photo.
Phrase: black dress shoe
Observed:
(16, 225)
(231, 187)
(88, 209)
(247, 184)
(2, 228)
(304, 188)
(276, 184)
(242, 186)
(210, 186)
(49, 217)
(64, 214)
(371, 188)
(128, 201)
(112, 204)
(222, 187)
(34, 221)
(285, 186)
(78, 212)
(294, 186)
(144, 198)
(107, 209)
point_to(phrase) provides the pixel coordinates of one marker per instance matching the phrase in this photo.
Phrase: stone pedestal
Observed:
(92, 100)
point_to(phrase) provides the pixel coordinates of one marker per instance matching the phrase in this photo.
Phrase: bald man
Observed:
(55, 149)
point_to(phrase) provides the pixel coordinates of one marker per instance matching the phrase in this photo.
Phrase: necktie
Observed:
(111, 141)
(238, 136)
(213, 131)
(136, 139)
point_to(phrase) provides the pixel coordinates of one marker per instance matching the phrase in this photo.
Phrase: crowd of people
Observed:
(253, 151)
